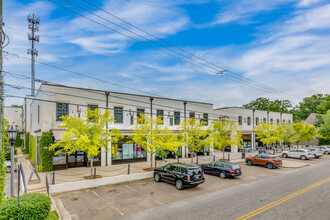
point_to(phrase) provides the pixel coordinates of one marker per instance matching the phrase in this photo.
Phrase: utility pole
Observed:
(1, 84)
(33, 26)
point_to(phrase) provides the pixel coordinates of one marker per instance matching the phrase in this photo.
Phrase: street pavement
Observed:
(266, 198)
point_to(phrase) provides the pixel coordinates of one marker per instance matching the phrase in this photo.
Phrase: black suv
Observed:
(222, 169)
(180, 174)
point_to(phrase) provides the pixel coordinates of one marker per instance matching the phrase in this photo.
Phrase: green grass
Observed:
(52, 216)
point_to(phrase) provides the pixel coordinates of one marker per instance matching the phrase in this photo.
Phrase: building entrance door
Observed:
(77, 159)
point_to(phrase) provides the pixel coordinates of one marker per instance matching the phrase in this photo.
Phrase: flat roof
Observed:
(97, 90)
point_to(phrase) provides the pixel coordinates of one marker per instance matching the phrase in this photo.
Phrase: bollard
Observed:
(228, 157)
(128, 169)
(53, 180)
(177, 159)
(197, 160)
(213, 158)
(274, 151)
(94, 172)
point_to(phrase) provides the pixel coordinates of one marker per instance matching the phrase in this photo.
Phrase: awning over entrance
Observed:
(57, 133)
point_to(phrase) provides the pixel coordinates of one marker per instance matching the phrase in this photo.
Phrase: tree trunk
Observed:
(92, 158)
(151, 157)
(297, 145)
(223, 153)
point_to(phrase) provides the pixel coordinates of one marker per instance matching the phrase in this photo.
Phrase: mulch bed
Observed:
(91, 177)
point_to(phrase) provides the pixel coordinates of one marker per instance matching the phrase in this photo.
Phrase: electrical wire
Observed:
(233, 79)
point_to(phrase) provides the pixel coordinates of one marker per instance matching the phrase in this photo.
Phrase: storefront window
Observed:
(59, 159)
(96, 158)
(127, 151)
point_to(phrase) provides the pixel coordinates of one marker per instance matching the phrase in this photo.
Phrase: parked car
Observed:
(324, 149)
(181, 174)
(317, 152)
(222, 169)
(303, 154)
(8, 165)
(268, 160)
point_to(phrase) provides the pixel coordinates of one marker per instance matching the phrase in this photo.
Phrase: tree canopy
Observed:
(267, 133)
(325, 127)
(269, 105)
(88, 134)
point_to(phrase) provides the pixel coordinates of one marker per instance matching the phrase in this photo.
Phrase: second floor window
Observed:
(248, 120)
(271, 120)
(240, 120)
(206, 118)
(139, 112)
(289, 121)
(283, 121)
(171, 121)
(92, 107)
(160, 114)
(264, 120)
(118, 113)
(62, 109)
(257, 121)
(278, 121)
(176, 118)
(191, 114)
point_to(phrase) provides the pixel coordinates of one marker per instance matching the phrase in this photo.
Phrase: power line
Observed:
(233, 79)
(168, 43)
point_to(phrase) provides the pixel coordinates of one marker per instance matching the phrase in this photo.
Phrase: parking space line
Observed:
(107, 203)
(143, 194)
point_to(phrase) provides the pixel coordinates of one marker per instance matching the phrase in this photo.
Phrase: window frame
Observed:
(58, 118)
(176, 118)
(116, 113)
(240, 120)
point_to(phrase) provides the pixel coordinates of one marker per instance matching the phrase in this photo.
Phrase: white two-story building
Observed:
(43, 113)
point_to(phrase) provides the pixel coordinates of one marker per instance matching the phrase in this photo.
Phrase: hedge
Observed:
(27, 142)
(33, 206)
(46, 155)
(32, 148)
(18, 141)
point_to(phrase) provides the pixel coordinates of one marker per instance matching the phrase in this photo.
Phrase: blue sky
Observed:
(282, 44)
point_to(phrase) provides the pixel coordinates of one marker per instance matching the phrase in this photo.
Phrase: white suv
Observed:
(324, 149)
(303, 154)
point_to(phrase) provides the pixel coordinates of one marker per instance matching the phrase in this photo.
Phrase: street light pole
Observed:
(12, 137)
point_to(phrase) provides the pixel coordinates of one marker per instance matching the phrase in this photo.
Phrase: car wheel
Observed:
(326, 152)
(222, 175)
(269, 165)
(157, 177)
(284, 155)
(249, 162)
(179, 185)
(303, 157)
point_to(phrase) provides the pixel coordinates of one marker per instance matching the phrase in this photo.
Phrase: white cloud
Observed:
(307, 3)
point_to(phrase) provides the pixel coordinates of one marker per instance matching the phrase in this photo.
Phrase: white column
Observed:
(103, 157)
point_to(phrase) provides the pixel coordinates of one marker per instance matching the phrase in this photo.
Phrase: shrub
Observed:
(18, 141)
(27, 141)
(8, 152)
(46, 155)
(33, 206)
(32, 148)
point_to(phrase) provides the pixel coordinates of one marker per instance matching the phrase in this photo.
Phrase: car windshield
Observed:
(195, 171)
(276, 158)
(234, 167)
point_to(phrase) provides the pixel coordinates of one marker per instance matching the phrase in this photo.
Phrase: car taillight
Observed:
(309, 154)
(231, 171)
(188, 178)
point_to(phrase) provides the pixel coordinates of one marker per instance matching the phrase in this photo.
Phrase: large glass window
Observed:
(176, 118)
(124, 151)
(92, 107)
(62, 109)
(118, 113)
(59, 159)
(160, 114)
(240, 120)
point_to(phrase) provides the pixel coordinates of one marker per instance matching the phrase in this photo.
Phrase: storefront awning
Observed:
(57, 133)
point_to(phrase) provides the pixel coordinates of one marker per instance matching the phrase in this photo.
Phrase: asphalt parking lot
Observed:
(122, 199)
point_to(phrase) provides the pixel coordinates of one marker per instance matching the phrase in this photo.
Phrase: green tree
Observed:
(224, 133)
(303, 132)
(153, 136)
(87, 134)
(325, 126)
(3, 168)
(193, 132)
(286, 133)
(268, 105)
(267, 133)
(312, 104)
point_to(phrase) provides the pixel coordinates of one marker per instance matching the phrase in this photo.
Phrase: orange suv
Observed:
(268, 160)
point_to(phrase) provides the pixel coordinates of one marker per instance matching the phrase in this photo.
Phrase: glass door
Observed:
(77, 159)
